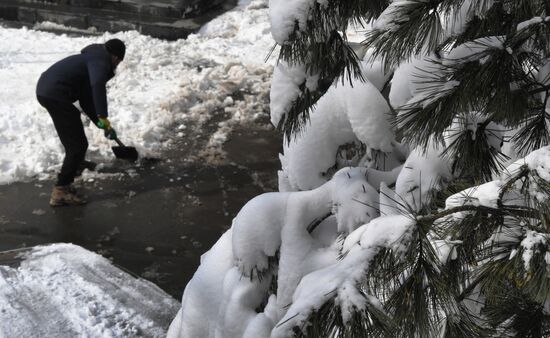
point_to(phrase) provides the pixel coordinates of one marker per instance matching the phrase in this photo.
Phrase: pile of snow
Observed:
(159, 85)
(63, 290)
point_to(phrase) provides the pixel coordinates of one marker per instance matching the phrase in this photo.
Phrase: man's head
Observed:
(117, 49)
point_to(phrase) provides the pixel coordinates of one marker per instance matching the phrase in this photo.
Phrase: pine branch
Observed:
(465, 325)
(508, 210)
(329, 60)
(324, 52)
(475, 82)
(492, 19)
(409, 28)
(368, 322)
(315, 223)
(472, 155)
(535, 132)
(421, 297)
(515, 295)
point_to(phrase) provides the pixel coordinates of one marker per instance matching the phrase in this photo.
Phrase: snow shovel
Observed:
(124, 152)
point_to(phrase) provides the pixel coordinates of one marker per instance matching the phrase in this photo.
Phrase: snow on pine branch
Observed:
(422, 173)
(533, 21)
(394, 15)
(530, 244)
(538, 163)
(433, 76)
(340, 279)
(285, 15)
(235, 275)
(346, 113)
(476, 50)
(390, 232)
(285, 88)
(490, 194)
(273, 232)
(406, 29)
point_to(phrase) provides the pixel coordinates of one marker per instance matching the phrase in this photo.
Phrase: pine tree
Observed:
(489, 75)
(445, 230)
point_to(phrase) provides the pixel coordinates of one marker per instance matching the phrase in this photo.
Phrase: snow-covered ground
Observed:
(159, 87)
(63, 290)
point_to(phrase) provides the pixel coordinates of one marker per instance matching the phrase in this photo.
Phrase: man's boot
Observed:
(65, 195)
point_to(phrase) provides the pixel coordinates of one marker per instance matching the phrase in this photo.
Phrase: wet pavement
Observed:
(157, 217)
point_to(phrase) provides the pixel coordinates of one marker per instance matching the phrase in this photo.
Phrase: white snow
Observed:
(529, 245)
(533, 21)
(285, 88)
(471, 121)
(445, 249)
(485, 195)
(284, 15)
(159, 85)
(202, 296)
(422, 173)
(320, 285)
(402, 82)
(373, 68)
(47, 25)
(456, 21)
(392, 16)
(63, 290)
(345, 114)
(472, 50)
(221, 299)
(369, 114)
(488, 194)
(257, 232)
(538, 161)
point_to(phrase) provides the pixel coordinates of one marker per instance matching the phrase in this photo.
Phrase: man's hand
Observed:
(104, 123)
(110, 134)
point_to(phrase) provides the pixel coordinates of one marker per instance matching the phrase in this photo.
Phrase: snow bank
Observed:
(63, 290)
(159, 84)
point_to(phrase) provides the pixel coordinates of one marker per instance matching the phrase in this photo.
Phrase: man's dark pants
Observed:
(67, 122)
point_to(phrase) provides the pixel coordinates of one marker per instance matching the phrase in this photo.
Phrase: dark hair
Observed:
(116, 47)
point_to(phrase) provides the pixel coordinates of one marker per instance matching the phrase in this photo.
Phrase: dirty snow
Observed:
(63, 290)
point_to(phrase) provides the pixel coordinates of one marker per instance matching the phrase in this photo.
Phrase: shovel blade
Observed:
(126, 153)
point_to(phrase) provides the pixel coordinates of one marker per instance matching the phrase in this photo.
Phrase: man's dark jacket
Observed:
(80, 77)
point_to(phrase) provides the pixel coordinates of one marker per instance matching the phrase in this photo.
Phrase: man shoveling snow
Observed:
(82, 77)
